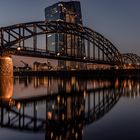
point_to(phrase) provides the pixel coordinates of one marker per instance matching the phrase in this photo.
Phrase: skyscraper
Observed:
(68, 12)
(65, 11)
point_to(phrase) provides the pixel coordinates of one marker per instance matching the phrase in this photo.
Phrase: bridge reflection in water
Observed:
(65, 113)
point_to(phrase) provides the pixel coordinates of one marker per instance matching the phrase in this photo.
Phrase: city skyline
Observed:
(118, 21)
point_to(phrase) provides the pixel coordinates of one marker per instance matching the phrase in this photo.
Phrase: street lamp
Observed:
(18, 48)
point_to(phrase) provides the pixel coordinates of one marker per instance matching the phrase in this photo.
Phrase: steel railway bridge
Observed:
(23, 39)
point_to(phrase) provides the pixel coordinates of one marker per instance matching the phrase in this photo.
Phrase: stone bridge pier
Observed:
(6, 66)
(6, 77)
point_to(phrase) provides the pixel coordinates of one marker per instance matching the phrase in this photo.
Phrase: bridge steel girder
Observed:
(14, 36)
(131, 59)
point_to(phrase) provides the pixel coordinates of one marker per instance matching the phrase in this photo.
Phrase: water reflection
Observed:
(131, 88)
(6, 87)
(57, 85)
(65, 107)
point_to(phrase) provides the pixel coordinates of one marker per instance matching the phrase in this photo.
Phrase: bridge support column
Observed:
(6, 66)
(6, 78)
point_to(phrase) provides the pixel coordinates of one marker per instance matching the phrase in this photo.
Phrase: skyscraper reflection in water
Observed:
(65, 113)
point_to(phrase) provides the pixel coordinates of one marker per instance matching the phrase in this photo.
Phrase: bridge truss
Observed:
(23, 39)
(131, 60)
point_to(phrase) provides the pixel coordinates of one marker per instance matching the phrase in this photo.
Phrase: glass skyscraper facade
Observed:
(65, 11)
(68, 12)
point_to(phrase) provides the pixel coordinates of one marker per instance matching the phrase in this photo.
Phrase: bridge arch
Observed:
(97, 49)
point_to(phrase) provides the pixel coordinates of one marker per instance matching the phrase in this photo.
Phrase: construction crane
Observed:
(26, 66)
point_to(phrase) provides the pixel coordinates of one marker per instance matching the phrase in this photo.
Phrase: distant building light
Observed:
(58, 99)
(52, 106)
(76, 135)
(84, 94)
(58, 54)
(116, 67)
(49, 114)
(51, 135)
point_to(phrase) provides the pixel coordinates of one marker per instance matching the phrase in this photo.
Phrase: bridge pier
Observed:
(6, 66)
(6, 78)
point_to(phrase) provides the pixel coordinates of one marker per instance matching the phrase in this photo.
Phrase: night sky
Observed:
(117, 20)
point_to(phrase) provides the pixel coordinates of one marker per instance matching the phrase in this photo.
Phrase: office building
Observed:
(64, 44)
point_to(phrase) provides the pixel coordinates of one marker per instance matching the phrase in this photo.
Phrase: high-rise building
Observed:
(65, 11)
(65, 43)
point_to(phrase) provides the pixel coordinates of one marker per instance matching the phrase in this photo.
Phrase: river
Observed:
(56, 108)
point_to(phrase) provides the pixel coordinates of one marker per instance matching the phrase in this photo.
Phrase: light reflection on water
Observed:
(60, 108)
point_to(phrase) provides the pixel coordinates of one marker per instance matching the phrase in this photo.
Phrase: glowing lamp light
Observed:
(63, 116)
(52, 106)
(18, 48)
(49, 115)
(58, 54)
(76, 135)
(84, 94)
(58, 99)
(18, 106)
(51, 135)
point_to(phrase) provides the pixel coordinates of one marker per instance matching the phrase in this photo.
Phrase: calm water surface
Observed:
(47, 108)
